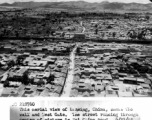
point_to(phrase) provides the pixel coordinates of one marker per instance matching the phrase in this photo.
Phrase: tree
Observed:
(109, 27)
(96, 31)
(51, 78)
(11, 63)
(96, 25)
(132, 34)
(32, 81)
(6, 83)
(25, 79)
(141, 34)
(114, 34)
(78, 50)
(1, 64)
(147, 17)
(40, 83)
(68, 50)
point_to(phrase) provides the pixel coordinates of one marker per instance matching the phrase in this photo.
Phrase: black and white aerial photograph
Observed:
(75, 48)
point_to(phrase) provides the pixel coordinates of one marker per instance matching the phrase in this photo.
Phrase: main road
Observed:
(68, 83)
(81, 24)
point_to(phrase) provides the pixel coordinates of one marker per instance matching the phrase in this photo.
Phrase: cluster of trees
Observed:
(142, 68)
(140, 35)
(24, 26)
(24, 80)
(50, 79)
(78, 50)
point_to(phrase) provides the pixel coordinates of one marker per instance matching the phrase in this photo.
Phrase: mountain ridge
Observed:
(105, 5)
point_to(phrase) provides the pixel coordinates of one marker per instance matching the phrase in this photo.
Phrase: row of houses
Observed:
(112, 73)
(35, 75)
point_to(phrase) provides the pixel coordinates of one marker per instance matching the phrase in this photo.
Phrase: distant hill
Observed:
(85, 6)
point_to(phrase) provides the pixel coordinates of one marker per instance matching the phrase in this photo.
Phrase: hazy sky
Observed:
(126, 1)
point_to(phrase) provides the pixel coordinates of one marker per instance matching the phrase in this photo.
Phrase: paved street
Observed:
(68, 83)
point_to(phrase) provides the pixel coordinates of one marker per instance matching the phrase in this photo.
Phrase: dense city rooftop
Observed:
(80, 69)
(69, 54)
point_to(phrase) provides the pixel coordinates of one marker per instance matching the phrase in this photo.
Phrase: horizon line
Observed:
(74, 1)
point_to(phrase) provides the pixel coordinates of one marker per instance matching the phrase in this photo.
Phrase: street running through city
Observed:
(70, 76)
